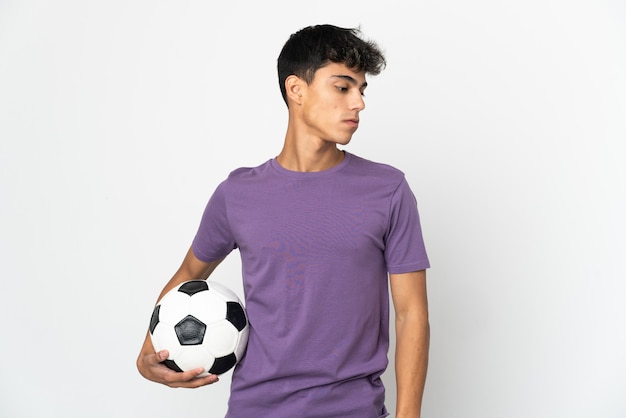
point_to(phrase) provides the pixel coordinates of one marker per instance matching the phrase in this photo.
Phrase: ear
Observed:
(295, 87)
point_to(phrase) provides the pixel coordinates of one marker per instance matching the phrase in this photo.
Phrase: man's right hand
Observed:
(151, 367)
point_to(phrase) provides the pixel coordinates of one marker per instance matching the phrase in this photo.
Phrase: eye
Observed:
(341, 89)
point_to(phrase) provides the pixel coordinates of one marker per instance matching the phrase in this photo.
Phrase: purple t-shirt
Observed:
(315, 249)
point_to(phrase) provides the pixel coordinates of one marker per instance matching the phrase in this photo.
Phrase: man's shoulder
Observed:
(376, 169)
(245, 173)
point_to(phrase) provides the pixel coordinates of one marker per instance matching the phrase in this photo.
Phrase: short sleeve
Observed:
(214, 238)
(404, 243)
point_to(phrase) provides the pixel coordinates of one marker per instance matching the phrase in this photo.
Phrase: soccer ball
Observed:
(202, 324)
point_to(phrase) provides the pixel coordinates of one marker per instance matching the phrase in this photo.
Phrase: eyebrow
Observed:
(349, 79)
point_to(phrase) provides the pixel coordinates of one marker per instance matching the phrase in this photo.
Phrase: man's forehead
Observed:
(341, 71)
(351, 79)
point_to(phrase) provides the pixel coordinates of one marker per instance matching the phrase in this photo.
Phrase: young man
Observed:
(320, 232)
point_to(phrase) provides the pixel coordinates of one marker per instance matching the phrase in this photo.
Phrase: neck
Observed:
(308, 154)
(308, 161)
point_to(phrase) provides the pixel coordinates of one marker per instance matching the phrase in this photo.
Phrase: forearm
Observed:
(412, 346)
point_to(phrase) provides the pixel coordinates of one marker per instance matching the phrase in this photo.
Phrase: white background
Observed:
(118, 118)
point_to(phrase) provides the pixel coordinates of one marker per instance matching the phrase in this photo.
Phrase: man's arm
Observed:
(149, 362)
(410, 302)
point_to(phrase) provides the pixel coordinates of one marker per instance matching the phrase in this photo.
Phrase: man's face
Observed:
(332, 102)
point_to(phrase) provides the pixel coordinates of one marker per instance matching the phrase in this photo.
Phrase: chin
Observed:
(343, 141)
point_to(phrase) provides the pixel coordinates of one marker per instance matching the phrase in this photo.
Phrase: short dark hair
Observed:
(313, 47)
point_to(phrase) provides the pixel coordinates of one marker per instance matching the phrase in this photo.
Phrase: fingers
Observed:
(187, 379)
(190, 379)
(151, 367)
(162, 355)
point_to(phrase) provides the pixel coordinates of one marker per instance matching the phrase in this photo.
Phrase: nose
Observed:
(358, 102)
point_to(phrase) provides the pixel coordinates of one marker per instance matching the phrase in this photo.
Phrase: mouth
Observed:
(353, 122)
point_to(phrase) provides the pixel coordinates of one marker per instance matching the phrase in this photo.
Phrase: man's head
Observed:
(314, 47)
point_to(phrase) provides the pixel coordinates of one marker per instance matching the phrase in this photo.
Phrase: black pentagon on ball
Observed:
(190, 331)
(223, 364)
(235, 315)
(193, 286)
(154, 320)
